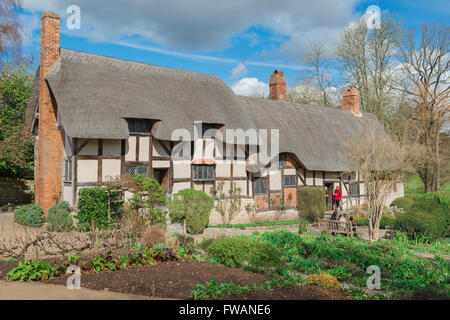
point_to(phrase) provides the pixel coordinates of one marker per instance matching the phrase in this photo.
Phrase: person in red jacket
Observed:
(338, 197)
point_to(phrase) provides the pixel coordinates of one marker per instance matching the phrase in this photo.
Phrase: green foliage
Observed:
(193, 207)
(265, 223)
(59, 217)
(33, 270)
(228, 206)
(214, 290)
(150, 198)
(31, 216)
(16, 150)
(417, 223)
(385, 221)
(403, 202)
(311, 203)
(239, 252)
(302, 226)
(93, 208)
(186, 242)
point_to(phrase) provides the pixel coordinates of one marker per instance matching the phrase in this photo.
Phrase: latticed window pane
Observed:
(354, 189)
(203, 173)
(135, 170)
(289, 181)
(139, 126)
(260, 186)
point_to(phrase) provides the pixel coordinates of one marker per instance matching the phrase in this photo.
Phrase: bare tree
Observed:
(316, 60)
(366, 56)
(426, 79)
(380, 163)
(10, 28)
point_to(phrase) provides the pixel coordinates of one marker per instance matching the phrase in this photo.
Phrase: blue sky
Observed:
(234, 40)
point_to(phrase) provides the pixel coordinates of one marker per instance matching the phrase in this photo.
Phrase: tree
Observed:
(316, 59)
(10, 29)
(367, 58)
(379, 162)
(425, 79)
(16, 150)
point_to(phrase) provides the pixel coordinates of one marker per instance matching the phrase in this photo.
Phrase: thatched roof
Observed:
(95, 94)
(317, 136)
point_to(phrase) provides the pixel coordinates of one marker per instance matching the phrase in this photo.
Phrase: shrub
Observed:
(193, 207)
(93, 208)
(229, 251)
(235, 252)
(324, 280)
(418, 223)
(311, 203)
(31, 216)
(434, 203)
(385, 221)
(153, 235)
(59, 217)
(150, 199)
(33, 270)
(403, 202)
(186, 242)
(302, 226)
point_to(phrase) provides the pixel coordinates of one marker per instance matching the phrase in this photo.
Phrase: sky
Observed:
(241, 41)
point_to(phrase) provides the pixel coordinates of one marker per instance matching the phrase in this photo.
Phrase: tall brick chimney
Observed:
(350, 101)
(48, 171)
(277, 86)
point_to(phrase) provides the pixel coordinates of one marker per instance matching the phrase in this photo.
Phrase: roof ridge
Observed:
(131, 65)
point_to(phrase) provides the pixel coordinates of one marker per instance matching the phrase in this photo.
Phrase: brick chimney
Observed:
(277, 86)
(350, 101)
(48, 171)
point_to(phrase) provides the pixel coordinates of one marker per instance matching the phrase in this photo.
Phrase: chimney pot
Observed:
(277, 86)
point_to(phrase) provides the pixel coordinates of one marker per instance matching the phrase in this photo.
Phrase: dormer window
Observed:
(139, 126)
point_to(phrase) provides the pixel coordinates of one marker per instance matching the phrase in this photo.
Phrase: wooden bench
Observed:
(333, 226)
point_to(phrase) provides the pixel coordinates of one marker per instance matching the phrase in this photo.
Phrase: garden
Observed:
(127, 248)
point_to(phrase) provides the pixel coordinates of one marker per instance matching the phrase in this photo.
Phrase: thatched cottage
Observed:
(95, 118)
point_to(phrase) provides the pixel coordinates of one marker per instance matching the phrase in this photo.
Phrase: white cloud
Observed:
(239, 71)
(250, 87)
(204, 24)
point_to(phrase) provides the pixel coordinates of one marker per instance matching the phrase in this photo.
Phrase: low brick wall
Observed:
(14, 192)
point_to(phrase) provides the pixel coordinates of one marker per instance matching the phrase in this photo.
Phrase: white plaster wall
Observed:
(91, 149)
(177, 186)
(275, 180)
(112, 147)
(144, 148)
(309, 178)
(161, 164)
(198, 186)
(223, 170)
(68, 194)
(290, 172)
(131, 150)
(208, 186)
(243, 185)
(181, 169)
(239, 169)
(331, 175)
(319, 178)
(87, 171)
(110, 169)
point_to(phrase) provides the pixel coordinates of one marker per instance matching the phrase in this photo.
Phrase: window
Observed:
(135, 170)
(139, 126)
(290, 181)
(203, 172)
(68, 170)
(282, 160)
(260, 186)
(354, 189)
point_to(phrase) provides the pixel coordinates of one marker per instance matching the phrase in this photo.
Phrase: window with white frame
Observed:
(290, 181)
(260, 186)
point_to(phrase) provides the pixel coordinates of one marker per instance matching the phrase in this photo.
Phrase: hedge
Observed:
(419, 223)
(403, 202)
(311, 203)
(385, 221)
